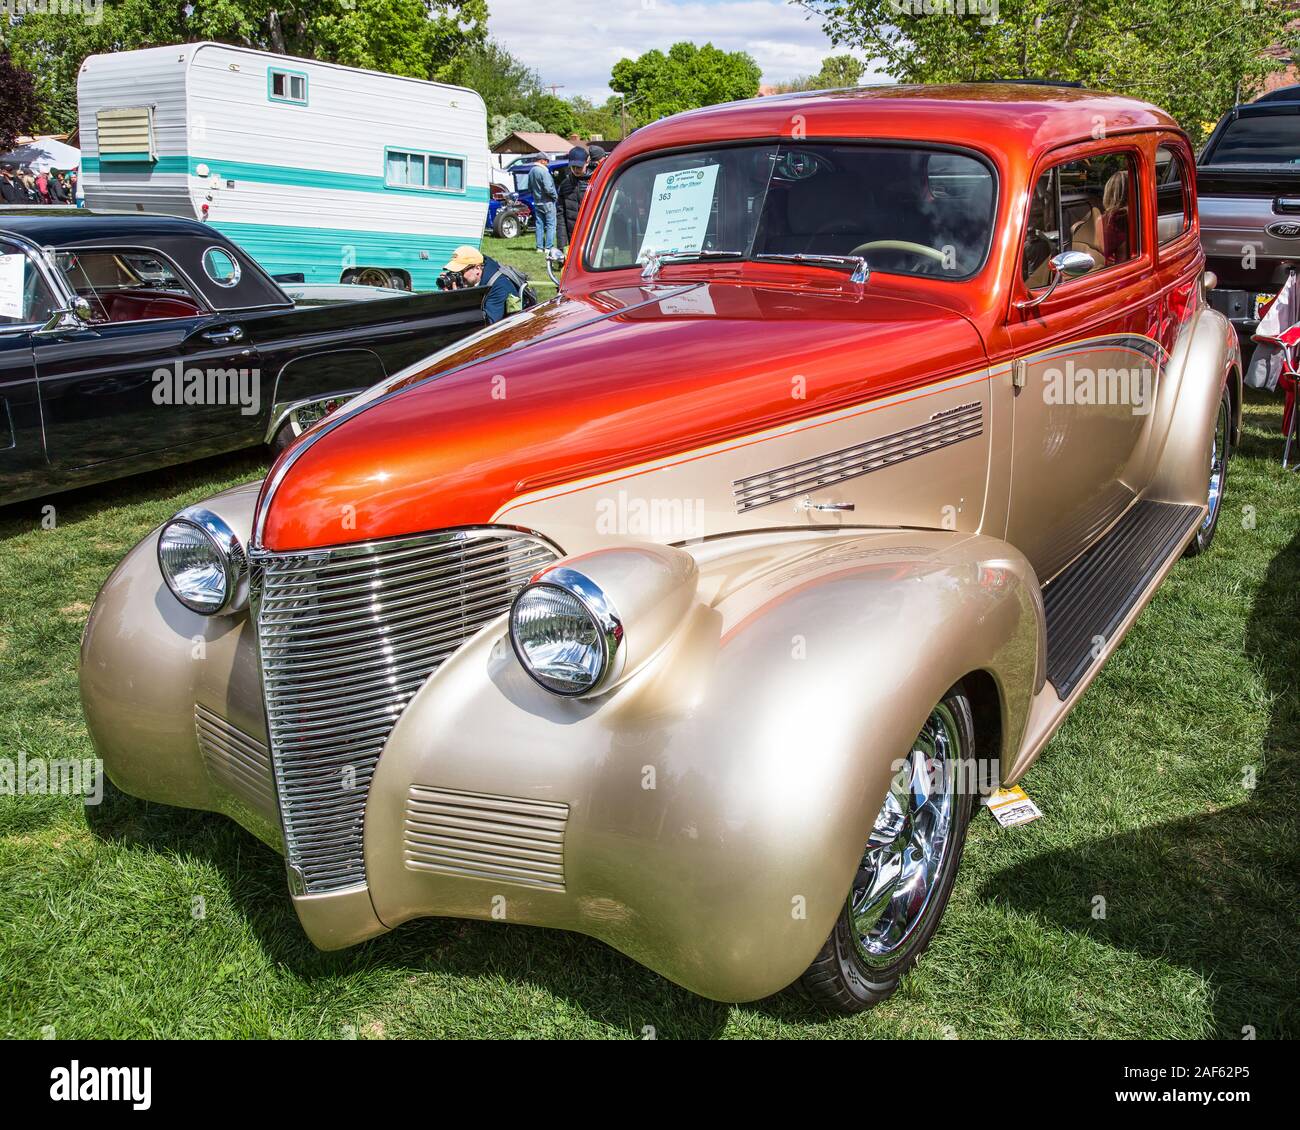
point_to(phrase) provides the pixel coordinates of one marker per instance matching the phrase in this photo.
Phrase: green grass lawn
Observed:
(1142, 793)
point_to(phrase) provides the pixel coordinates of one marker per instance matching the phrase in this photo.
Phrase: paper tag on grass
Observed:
(1012, 806)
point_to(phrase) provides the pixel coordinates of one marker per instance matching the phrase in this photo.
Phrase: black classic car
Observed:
(133, 342)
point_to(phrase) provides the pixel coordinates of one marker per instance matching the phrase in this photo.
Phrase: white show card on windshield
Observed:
(679, 210)
(12, 278)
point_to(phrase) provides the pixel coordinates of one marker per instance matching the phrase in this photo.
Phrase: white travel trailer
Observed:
(339, 174)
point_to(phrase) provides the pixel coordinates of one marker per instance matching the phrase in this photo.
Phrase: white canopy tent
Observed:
(43, 154)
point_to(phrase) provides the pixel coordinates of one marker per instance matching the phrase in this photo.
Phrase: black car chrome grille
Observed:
(347, 636)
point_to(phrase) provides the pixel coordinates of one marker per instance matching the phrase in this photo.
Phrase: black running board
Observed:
(1089, 600)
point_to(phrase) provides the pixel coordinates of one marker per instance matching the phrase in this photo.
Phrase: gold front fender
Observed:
(707, 816)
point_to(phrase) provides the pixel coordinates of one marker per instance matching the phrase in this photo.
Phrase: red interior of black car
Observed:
(139, 306)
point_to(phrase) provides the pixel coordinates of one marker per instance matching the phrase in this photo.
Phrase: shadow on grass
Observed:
(605, 985)
(1218, 893)
(158, 485)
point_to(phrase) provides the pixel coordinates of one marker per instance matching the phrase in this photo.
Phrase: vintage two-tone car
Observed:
(134, 342)
(695, 608)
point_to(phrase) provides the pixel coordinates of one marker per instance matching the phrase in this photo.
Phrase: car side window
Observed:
(1087, 205)
(1173, 201)
(127, 285)
(25, 297)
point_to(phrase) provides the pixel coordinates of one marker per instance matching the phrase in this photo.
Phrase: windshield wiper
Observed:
(858, 267)
(654, 260)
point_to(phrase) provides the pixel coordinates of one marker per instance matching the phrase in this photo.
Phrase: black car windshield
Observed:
(1259, 139)
(905, 209)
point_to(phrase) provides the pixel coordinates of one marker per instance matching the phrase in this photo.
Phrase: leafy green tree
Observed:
(837, 71)
(553, 112)
(596, 121)
(501, 126)
(505, 83)
(686, 77)
(422, 38)
(1189, 56)
(18, 104)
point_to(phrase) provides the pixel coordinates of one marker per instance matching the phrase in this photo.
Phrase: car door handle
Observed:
(808, 504)
(228, 336)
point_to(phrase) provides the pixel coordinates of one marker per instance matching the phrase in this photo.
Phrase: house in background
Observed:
(522, 143)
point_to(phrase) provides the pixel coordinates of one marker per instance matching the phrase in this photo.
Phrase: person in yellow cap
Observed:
(469, 267)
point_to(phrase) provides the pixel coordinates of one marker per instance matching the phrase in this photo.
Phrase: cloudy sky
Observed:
(575, 42)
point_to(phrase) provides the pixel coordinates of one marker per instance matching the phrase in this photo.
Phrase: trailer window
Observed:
(287, 86)
(436, 171)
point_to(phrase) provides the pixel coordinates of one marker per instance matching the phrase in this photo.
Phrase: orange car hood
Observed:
(595, 382)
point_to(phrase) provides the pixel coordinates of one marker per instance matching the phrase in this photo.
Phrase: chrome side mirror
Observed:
(1066, 265)
(554, 260)
(75, 315)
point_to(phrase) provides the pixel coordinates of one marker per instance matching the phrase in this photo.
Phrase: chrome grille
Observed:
(794, 479)
(483, 836)
(347, 636)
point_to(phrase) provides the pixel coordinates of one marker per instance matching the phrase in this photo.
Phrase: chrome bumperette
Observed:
(347, 635)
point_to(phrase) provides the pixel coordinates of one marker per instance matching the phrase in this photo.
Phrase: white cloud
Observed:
(574, 43)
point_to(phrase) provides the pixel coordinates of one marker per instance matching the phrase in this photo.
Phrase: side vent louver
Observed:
(482, 836)
(796, 479)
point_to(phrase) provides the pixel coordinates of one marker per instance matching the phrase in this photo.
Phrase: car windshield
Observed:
(905, 209)
(1263, 139)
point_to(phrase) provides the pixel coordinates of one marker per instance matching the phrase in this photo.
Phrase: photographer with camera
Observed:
(468, 267)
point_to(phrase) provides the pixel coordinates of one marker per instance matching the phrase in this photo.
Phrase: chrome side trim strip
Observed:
(794, 479)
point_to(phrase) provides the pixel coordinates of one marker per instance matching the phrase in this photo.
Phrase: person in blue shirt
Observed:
(477, 269)
(542, 185)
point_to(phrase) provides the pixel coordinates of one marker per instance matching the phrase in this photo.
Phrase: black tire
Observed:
(1222, 438)
(838, 977)
(282, 439)
(506, 225)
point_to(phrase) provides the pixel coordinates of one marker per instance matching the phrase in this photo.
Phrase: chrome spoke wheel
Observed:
(1218, 465)
(908, 844)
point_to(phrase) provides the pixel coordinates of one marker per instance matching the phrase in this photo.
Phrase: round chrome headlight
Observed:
(566, 633)
(203, 562)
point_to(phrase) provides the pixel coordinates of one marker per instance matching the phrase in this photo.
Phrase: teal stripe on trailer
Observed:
(278, 174)
(136, 165)
(323, 254)
(324, 178)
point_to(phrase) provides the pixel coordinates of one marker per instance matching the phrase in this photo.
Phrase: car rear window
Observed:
(1261, 139)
